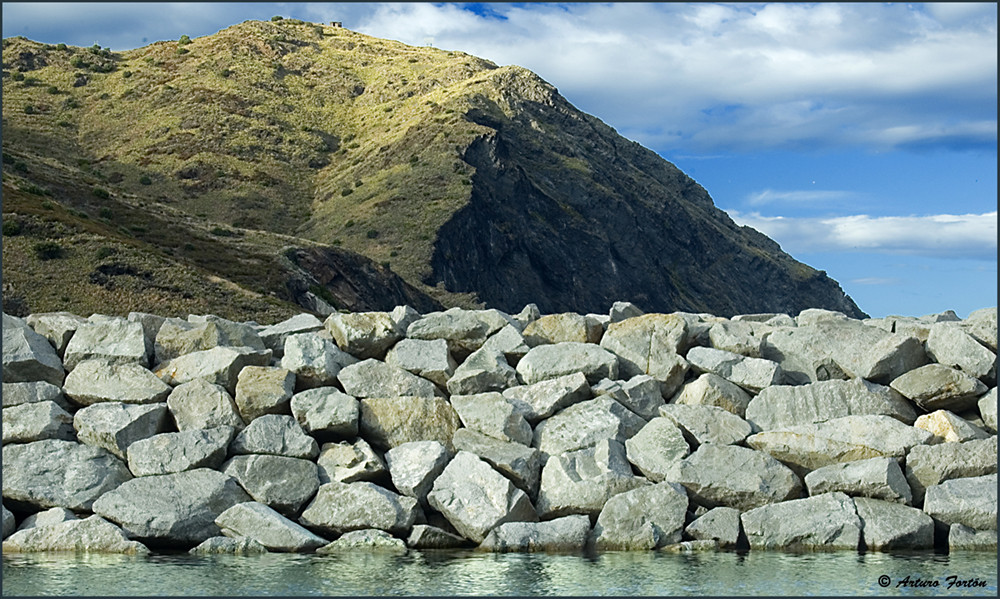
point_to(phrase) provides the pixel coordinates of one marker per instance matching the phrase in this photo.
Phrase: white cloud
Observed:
(805, 196)
(968, 236)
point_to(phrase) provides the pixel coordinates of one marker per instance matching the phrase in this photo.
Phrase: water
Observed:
(471, 573)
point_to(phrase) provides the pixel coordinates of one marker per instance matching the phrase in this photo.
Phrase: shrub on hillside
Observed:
(48, 250)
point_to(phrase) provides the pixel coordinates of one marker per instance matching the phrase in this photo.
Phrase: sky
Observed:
(861, 137)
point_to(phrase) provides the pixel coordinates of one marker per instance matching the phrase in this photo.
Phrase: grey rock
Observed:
(752, 374)
(772, 318)
(177, 337)
(522, 465)
(275, 434)
(115, 340)
(737, 477)
(545, 398)
(219, 365)
(644, 518)
(559, 328)
(349, 462)
(950, 346)
(721, 524)
(475, 498)
(961, 537)
(225, 545)
(315, 359)
(650, 344)
(657, 449)
(56, 473)
(491, 414)
(968, 501)
(817, 315)
(527, 315)
(327, 411)
(509, 342)
(928, 465)
(823, 522)
(691, 546)
(949, 428)
(566, 534)
(804, 355)
(27, 356)
(707, 424)
(53, 515)
(982, 325)
(582, 481)
(8, 522)
(36, 421)
(200, 404)
(555, 360)
(16, 394)
(285, 484)
(584, 424)
(713, 390)
(94, 381)
(171, 509)
(738, 337)
(623, 310)
(390, 421)
(640, 394)
(168, 453)
(888, 525)
(878, 478)
(414, 466)
(57, 327)
(263, 390)
(116, 426)
(234, 334)
(369, 540)
(938, 387)
(253, 520)
(364, 334)
(372, 378)
(429, 359)
(486, 369)
(464, 330)
(274, 336)
(987, 409)
(424, 536)
(404, 316)
(90, 535)
(342, 507)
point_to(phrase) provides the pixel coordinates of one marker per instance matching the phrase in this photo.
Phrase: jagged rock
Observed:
(810, 446)
(737, 477)
(771, 318)
(582, 481)
(117, 341)
(263, 390)
(721, 524)
(94, 381)
(938, 387)
(424, 536)
(949, 428)
(640, 394)
(463, 330)
(168, 453)
(650, 344)
(623, 310)
(584, 424)
(982, 325)
(657, 450)
(348, 462)
(404, 316)
(786, 405)
(522, 465)
(36, 421)
(492, 415)
(225, 545)
(968, 501)
(177, 337)
(342, 507)
(559, 328)
(961, 537)
(817, 315)
(414, 466)
(315, 359)
(644, 518)
(200, 404)
(738, 337)
(987, 409)
(566, 534)
(707, 424)
(475, 498)
(543, 399)
(115, 426)
(56, 473)
(429, 359)
(8, 522)
(171, 509)
(526, 316)
(950, 346)
(752, 374)
(363, 334)
(280, 482)
(486, 369)
(253, 520)
(803, 354)
(691, 546)
(27, 356)
(878, 478)
(555, 360)
(235, 334)
(928, 465)
(50, 516)
(509, 342)
(90, 535)
(219, 365)
(826, 522)
(713, 390)
(369, 539)
(17, 394)
(326, 411)
(274, 336)
(57, 327)
(275, 434)
(372, 378)
(390, 421)
(888, 525)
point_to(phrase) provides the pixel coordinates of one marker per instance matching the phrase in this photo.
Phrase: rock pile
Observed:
(386, 431)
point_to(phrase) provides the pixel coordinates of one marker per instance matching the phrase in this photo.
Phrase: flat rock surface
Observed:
(89, 535)
(259, 522)
(827, 522)
(787, 405)
(390, 421)
(283, 483)
(737, 477)
(342, 507)
(566, 534)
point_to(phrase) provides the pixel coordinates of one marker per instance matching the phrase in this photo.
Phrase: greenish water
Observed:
(471, 573)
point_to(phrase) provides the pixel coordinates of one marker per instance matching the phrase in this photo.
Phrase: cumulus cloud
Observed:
(806, 196)
(964, 236)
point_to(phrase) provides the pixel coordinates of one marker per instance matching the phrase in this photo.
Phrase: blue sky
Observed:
(861, 137)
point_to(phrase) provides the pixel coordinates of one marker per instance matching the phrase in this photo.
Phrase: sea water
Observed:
(360, 573)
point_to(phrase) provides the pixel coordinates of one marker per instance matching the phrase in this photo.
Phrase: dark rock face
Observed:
(566, 213)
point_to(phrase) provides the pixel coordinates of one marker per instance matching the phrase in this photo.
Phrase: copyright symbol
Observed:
(884, 581)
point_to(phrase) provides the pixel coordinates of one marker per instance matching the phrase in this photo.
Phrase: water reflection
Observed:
(471, 573)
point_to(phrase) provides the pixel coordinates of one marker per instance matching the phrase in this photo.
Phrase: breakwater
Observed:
(395, 430)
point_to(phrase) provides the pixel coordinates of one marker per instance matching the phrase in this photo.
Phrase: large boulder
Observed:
(640, 394)
(475, 498)
(465, 331)
(200, 404)
(928, 465)
(36, 421)
(94, 381)
(987, 409)
(283, 483)
(115, 340)
(486, 369)
(274, 335)
(363, 334)
(349, 462)
(961, 537)
(739, 337)
(491, 414)
(737, 477)
(16, 394)
(566, 534)
(582, 481)
(522, 465)
(949, 345)
(89, 535)
(657, 449)
(219, 365)
(168, 453)
(545, 362)
(369, 539)
(116, 426)
(982, 325)
(235, 334)
(650, 344)
(57, 327)
(227, 546)
(428, 358)
(372, 378)
(888, 525)
(343, 507)
(939, 387)
(787, 405)
(53, 515)
(879, 478)
(823, 522)
(949, 428)
(177, 337)
(558, 328)
(425, 536)
(751, 374)
(263, 390)
(171, 509)
(390, 421)
(968, 501)
(55, 473)
(644, 518)
(720, 524)
(27, 356)
(252, 520)
(315, 359)
(275, 434)
(713, 390)
(509, 342)
(584, 424)
(707, 424)
(414, 466)
(326, 411)
(543, 399)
